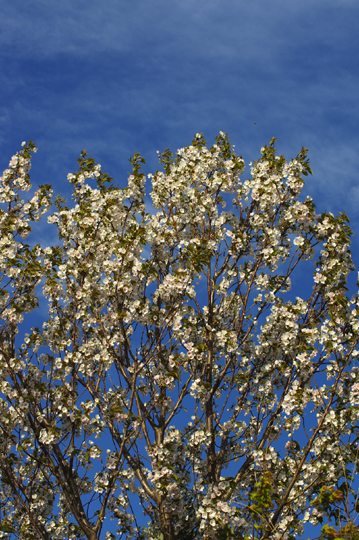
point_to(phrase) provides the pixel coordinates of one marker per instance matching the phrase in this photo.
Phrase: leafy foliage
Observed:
(175, 373)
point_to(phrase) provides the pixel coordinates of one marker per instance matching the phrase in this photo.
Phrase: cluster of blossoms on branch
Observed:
(176, 373)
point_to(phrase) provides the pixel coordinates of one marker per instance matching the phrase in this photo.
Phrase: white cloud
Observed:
(206, 27)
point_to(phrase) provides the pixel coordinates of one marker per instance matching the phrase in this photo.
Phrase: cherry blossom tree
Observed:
(178, 389)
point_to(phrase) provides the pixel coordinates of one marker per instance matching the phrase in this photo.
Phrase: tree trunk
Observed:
(166, 524)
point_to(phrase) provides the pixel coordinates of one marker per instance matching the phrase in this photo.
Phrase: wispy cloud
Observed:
(118, 77)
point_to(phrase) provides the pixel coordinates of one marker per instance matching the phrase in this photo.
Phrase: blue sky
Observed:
(117, 77)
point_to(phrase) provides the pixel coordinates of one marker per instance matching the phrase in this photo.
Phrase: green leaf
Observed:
(7, 528)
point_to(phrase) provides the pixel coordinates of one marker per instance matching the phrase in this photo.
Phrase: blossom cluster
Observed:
(175, 368)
